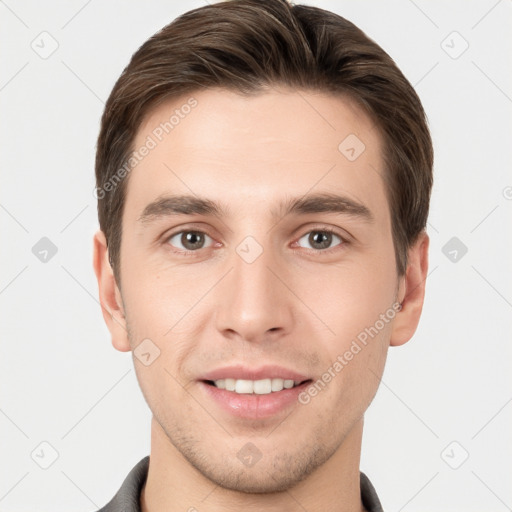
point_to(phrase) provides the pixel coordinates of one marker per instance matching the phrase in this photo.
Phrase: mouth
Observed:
(253, 393)
(255, 387)
(252, 400)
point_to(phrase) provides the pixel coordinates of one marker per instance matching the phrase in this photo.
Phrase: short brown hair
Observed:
(247, 46)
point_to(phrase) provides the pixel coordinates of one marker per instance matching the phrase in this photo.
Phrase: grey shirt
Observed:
(127, 498)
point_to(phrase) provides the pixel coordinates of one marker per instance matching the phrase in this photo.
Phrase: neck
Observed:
(173, 484)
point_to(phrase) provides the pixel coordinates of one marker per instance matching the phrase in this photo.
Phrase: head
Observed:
(306, 160)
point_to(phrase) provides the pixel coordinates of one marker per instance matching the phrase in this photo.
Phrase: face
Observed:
(278, 266)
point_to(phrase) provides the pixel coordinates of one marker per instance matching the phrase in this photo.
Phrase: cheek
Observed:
(166, 307)
(348, 300)
(357, 308)
(160, 298)
(353, 366)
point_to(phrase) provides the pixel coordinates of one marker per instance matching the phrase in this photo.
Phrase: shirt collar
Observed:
(127, 498)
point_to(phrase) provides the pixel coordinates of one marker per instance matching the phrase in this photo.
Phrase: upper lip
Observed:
(246, 373)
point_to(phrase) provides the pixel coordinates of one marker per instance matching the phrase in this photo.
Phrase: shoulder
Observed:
(369, 495)
(127, 497)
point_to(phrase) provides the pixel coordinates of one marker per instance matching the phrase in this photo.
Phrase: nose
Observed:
(254, 302)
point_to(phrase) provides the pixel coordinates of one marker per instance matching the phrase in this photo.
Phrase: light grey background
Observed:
(444, 395)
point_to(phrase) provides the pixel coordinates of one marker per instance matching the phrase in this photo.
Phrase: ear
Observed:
(110, 296)
(411, 292)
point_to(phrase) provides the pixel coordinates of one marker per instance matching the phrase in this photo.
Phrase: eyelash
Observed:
(314, 252)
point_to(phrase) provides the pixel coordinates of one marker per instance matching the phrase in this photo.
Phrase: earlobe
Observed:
(110, 297)
(412, 292)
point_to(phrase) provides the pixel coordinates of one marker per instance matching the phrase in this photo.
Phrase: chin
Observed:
(279, 473)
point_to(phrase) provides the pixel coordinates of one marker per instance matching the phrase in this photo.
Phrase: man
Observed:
(263, 179)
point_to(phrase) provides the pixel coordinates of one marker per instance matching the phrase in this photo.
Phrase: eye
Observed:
(189, 240)
(321, 239)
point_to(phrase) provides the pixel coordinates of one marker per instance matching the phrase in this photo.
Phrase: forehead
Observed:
(256, 150)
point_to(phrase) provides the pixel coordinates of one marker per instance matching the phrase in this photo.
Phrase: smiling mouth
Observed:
(256, 387)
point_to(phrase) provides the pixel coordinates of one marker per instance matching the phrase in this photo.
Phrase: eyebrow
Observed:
(311, 203)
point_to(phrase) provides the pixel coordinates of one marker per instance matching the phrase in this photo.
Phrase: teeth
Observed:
(244, 386)
(258, 387)
(221, 384)
(262, 387)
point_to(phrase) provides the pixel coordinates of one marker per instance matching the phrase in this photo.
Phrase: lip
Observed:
(263, 372)
(253, 406)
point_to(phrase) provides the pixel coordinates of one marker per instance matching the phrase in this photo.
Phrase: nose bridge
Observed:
(252, 300)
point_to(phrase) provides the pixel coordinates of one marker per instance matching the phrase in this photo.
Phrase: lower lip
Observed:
(253, 406)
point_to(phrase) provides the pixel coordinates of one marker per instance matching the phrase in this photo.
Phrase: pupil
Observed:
(320, 238)
(192, 240)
